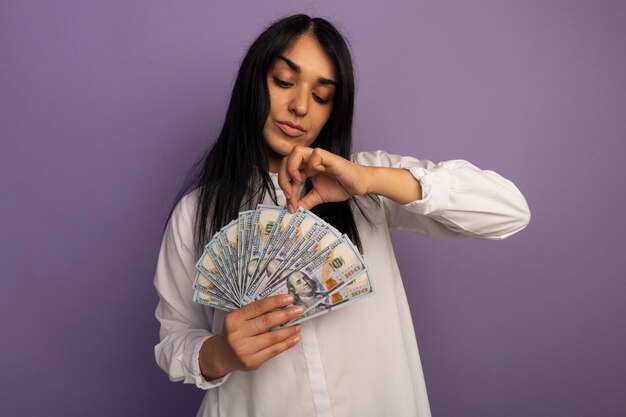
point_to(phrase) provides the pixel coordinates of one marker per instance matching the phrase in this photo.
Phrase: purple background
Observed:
(104, 106)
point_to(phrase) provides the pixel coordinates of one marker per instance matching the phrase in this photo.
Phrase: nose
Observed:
(299, 104)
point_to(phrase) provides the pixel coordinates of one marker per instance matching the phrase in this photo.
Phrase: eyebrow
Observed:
(296, 68)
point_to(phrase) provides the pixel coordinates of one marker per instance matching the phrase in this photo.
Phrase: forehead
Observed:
(296, 275)
(307, 53)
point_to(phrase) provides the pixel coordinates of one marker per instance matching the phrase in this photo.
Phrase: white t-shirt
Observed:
(361, 360)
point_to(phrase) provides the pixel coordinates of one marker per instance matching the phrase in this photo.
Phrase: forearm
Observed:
(397, 184)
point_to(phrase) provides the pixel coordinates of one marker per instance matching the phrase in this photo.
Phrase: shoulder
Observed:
(184, 213)
(186, 206)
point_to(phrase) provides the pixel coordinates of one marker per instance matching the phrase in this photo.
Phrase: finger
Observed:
(295, 161)
(289, 185)
(310, 200)
(266, 321)
(284, 180)
(263, 306)
(315, 163)
(248, 346)
(329, 163)
(267, 339)
(277, 348)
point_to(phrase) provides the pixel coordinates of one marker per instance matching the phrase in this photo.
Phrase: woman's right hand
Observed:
(245, 342)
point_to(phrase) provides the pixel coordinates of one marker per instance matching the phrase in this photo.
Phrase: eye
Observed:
(281, 83)
(320, 99)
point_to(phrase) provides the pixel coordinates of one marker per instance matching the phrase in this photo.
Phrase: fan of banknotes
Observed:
(270, 251)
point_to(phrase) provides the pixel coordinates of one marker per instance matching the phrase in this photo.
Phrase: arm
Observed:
(396, 184)
(184, 324)
(458, 199)
(447, 200)
(188, 351)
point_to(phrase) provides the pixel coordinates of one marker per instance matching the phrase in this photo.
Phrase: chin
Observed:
(280, 146)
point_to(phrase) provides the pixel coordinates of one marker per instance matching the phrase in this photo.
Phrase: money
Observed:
(357, 289)
(270, 251)
(339, 263)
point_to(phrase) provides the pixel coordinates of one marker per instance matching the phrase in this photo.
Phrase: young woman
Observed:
(287, 140)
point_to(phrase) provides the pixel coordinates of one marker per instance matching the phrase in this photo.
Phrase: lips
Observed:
(290, 129)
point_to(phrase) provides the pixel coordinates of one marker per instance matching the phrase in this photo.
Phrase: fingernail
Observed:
(298, 327)
(296, 339)
(296, 311)
(287, 298)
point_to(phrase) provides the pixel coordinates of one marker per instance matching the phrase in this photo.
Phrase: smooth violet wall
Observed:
(105, 105)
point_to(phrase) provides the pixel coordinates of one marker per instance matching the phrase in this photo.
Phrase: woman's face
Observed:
(301, 84)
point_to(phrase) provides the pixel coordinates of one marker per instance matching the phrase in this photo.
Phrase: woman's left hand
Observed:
(334, 178)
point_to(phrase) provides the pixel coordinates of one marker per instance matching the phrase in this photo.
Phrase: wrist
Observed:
(378, 180)
(371, 176)
(397, 184)
(212, 358)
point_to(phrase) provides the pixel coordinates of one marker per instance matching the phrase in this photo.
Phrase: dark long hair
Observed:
(233, 176)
